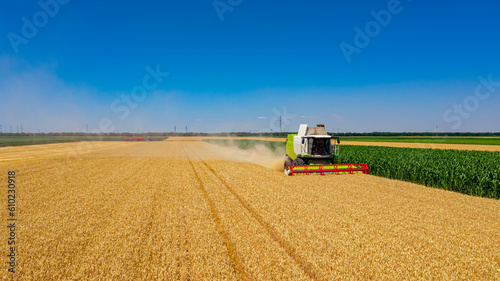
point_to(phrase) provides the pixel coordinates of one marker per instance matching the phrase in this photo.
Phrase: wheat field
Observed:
(189, 210)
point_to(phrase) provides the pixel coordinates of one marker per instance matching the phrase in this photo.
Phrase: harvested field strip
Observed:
(229, 245)
(304, 264)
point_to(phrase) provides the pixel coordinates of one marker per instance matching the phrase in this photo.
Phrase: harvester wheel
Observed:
(299, 162)
(288, 163)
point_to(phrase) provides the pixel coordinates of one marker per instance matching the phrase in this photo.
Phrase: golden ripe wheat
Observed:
(183, 210)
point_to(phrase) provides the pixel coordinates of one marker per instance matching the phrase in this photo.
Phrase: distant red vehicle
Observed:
(127, 139)
(139, 139)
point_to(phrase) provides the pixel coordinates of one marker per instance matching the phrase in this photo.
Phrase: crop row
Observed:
(470, 172)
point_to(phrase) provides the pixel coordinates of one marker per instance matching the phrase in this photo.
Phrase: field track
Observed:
(183, 209)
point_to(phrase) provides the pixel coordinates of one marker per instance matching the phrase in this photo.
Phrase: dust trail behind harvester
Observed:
(259, 154)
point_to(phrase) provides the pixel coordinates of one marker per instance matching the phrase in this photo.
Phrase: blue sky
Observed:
(229, 65)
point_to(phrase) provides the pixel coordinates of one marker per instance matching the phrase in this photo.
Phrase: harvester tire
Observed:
(288, 163)
(298, 162)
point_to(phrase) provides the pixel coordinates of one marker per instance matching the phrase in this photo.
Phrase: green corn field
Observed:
(470, 172)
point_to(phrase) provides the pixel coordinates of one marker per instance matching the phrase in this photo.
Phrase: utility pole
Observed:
(0, 128)
(437, 130)
(87, 128)
(186, 129)
(11, 129)
(175, 129)
(280, 124)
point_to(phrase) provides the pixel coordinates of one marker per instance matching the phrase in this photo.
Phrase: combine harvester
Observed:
(313, 151)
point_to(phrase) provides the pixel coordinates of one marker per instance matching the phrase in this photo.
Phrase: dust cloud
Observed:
(259, 154)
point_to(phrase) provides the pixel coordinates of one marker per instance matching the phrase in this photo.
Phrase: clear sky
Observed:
(224, 65)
